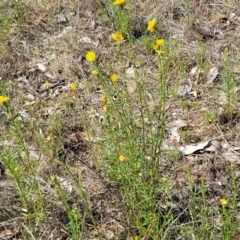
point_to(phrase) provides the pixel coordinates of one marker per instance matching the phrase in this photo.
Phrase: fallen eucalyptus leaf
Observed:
(174, 134)
(175, 125)
(41, 67)
(232, 155)
(130, 72)
(61, 18)
(208, 146)
(212, 74)
(24, 115)
(131, 86)
(186, 88)
(214, 147)
(194, 71)
(64, 184)
(179, 123)
(190, 149)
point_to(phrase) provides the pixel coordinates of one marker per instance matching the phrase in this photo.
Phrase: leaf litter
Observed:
(209, 159)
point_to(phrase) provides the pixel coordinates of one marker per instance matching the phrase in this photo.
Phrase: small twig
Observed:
(170, 227)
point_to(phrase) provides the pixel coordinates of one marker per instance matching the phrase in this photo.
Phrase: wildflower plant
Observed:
(121, 135)
(122, 19)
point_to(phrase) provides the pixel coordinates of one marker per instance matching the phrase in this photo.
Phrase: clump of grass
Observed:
(230, 83)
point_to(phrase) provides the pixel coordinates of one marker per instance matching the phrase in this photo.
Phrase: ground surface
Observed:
(50, 43)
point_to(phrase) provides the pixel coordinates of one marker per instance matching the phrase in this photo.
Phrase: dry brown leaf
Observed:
(232, 155)
(131, 86)
(179, 123)
(212, 74)
(214, 147)
(174, 136)
(25, 116)
(233, 18)
(190, 149)
(209, 146)
(65, 184)
(130, 72)
(186, 88)
(41, 67)
(8, 233)
(194, 71)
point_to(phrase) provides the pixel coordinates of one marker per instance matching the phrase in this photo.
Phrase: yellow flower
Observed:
(223, 201)
(52, 178)
(119, 2)
(163, 179)
(49, 138)
(121, 158)
(105, 98)
(105, 108)
(3, 99)
(74, 86)
(118, 37)
(95, 72)
(91, 56)
(114, 78)
(152, 25)
(134, 238)
(160, 52)
(159, 42)
(157, 46)
(47, 84)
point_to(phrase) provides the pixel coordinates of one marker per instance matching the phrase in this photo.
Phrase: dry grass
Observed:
(57, 178)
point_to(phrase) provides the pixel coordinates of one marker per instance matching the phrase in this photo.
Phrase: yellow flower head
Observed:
(47, 84)
(119, 2)
(95, 72)
(49, 138)
(223, 201)
(105, 99)
(91, 56)
(48, 8)
(74, 86)
(118, 37)
(105, 108)
(121, 158)
(159, 42)
(134, 238)
(52, 178)
(157, 46)
(114, 78)
(152, 25)
(163, 179)
(3, 99)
